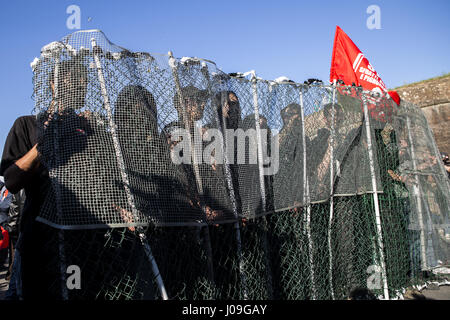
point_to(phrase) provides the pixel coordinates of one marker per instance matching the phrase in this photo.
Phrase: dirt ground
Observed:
(430, 293)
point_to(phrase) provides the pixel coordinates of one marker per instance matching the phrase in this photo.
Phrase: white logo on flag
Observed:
(357, 61)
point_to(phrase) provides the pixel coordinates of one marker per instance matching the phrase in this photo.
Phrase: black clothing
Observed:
(344, 153)
(289, 181)
(21, 138)
(249, 175)
(215, 193)
(33, 245)
(157, 184)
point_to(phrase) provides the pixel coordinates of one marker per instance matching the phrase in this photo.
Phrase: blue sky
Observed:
(275, 38)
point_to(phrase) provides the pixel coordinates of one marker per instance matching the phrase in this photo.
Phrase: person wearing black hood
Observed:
(22, 167)
(249, 177)
(189, 112)
(157, 185)
(289, 181)
(229, 117)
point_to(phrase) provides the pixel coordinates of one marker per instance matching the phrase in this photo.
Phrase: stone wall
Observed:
(433, 96)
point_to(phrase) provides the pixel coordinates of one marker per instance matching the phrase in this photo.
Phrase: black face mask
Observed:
(288, 114)
(73, 94)
(233, 105)
(233, 111)
(152, 113)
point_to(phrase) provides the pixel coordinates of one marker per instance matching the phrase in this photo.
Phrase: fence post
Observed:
(417, 195)
(332, 134)
(199, 185)
(260, 163)
(124, 176)
(306, 198)
(61, 249)
(375, 198)
(259, 141)
(224, 146)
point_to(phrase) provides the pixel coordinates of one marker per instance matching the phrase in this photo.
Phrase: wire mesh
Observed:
(169, 175)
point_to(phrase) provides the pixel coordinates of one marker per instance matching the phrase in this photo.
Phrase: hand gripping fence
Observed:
(358, 187)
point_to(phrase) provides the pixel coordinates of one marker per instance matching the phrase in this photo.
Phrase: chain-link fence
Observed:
(173, 180)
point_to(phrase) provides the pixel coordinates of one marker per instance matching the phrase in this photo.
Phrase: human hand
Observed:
(447, 167)
(394, 176)
(212, 214)
(126, 215)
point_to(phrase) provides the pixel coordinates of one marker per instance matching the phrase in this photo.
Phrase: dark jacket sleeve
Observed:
(16, 146)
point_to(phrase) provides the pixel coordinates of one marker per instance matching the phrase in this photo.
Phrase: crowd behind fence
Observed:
(172, 179)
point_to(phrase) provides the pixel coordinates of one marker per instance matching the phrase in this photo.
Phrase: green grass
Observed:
(444, 75)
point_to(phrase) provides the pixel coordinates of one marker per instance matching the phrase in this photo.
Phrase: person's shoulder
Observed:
(27, 118)
(22, 125)
(25, 121)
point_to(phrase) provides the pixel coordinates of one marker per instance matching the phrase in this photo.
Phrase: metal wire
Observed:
(295, 194)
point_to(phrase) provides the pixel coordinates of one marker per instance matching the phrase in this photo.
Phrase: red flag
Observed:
(350, 65)
(4, 242)
(394, 95)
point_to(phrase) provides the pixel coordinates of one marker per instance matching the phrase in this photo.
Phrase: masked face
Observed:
(231, 110)
(289, 114)
(263, 123)
(230, 106)
(194, 108)
(73, 91)
(403, 147)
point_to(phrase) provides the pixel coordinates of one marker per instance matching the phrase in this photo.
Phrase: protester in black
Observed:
(289, 181)
(22, 167)
(213, 187)
(229, 118)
